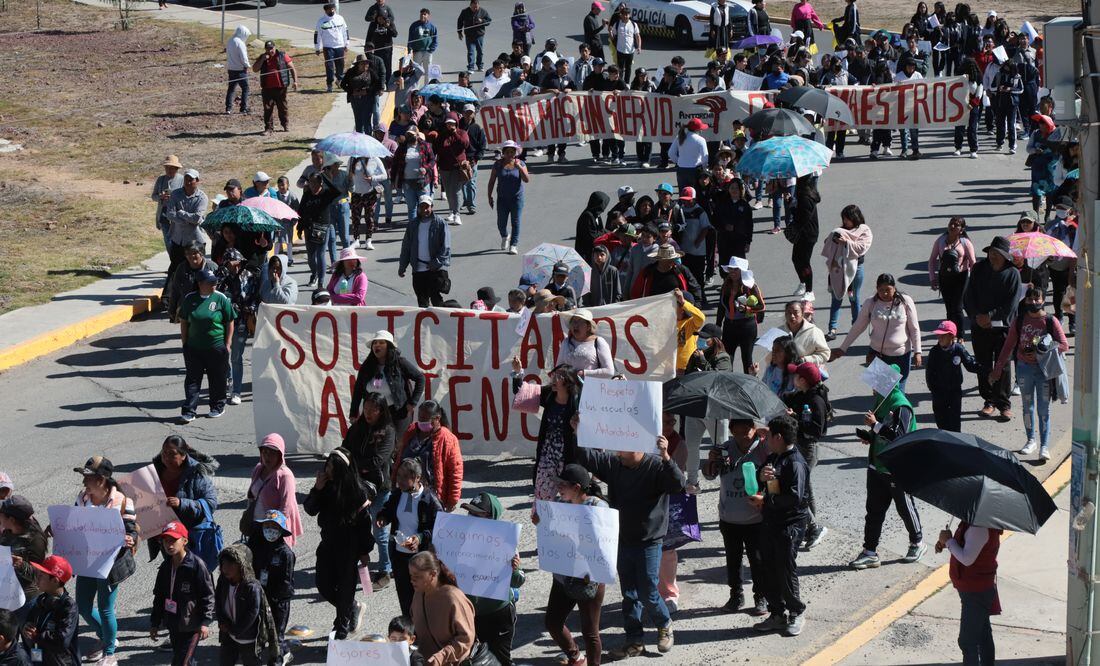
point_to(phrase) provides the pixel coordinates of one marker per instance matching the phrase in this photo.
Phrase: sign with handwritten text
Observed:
(479, 551)
(620, 415)
(143, 487)
(578, 540)
(354, 653)
(88, 537)
(11, 592)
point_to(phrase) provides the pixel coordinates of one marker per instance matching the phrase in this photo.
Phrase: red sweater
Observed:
(982, 574)
(446, 465)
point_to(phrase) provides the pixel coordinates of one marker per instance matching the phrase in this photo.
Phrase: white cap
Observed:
(468, 107)
(261, 177)
(798, 33)
(625, 190)
(191, 173)
(425, 198)
(525, 60)
(993, 13)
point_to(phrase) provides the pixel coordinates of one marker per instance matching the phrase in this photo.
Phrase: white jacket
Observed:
(236, 50)
(331, 32)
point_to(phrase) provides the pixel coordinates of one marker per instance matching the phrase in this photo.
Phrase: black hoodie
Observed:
(590, 224)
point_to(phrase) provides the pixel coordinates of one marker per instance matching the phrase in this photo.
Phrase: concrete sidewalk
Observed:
(1031, 580)
(31, 332)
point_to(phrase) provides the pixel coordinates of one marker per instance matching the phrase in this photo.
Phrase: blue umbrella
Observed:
(452, 92)
(758, 40)
(784, 157)
(347, 144)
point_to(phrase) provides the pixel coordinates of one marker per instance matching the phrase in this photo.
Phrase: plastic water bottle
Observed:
(807, 417)
(748, 471)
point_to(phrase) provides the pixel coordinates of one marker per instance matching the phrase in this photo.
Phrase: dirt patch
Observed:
(893, 14)
(97, 110)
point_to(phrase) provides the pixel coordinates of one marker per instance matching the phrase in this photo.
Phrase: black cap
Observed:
(1065, 202)
(575, 474)
(487, 296)
(231, 183)
(710, 331)
(269, 44)
(17, 507)
(97, 465)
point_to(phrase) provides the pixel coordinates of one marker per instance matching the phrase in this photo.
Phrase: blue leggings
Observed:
(100, 618)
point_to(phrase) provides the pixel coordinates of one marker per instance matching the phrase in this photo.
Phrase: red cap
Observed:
(688, 193)
(55, 566)
(175, 530)
(947, 327)
(695, 125)
(808, 371)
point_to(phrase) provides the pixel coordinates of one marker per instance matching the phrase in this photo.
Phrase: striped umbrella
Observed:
(784, 157)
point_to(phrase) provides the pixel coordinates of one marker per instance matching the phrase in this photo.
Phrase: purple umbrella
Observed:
(758, 40)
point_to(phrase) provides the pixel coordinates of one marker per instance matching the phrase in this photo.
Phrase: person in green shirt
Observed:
(206, 328)
(495, 620)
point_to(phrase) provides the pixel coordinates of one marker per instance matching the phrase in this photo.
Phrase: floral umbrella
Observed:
(538, 265)
(272, 206)
(1035, 247)
(245, 217)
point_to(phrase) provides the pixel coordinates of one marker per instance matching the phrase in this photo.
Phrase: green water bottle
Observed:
(748, 471)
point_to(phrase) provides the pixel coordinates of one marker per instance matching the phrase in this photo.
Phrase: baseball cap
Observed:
(269, 44)
(1029, 215)
(710, 331)
(599, 62)
(576, 475)
(174, 529)
(424, 199)
(191, 173)
(808, 371)
(561, 268)
(5, 481)
(55, 566)
(688, 193)
(206, 275)
(947, 327)
(261, 177)
(664, 226)
(625, 190)
(468, 107)
(231, 183)
(17, 507)
(665, 187)
(96, 466)
(485, 504)
(525, 60)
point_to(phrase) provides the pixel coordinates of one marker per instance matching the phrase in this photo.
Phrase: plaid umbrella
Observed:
(784, 157)
(245, 217)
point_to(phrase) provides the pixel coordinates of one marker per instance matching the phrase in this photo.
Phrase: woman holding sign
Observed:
(557, 443)
(586, 352)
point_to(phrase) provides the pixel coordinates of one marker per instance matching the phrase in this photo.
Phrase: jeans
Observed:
(910, 135)
(558, 608)
(412, 192)
(381, 534)
(101, 617)
(970, 130)
(237, 77)
(881, 491)
(340, 218)
(469, 190)
(474, 54)
(334, 64)
(904, 363)
(362, 108)
(638, 568)
(778, 205)
(388, 194)
(779, 548)
(740, 541)
(853, 300)
(212, 363)
(975, 631)
(236, 356)
(509, 207)
(317, 258)
(1035, 394)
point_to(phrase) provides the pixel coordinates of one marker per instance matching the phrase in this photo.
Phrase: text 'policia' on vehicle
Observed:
(686, 21)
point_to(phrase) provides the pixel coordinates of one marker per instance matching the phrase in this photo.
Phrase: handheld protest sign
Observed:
(880, 377)
(479, 551)
(620, 415)
(578, 540)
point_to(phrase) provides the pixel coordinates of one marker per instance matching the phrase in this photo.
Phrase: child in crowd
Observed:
(943, 372)
(776, 376)
(183, 596)
(240, 606)
(670, 560)
(274, 561)
(402, 629)
(10, 654)
(412, 513)
(49, 634)
(809, 404)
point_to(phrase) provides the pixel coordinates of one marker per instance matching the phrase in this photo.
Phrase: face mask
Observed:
(723, 161)
(1061, 214)
(424, 426)
(701, 344)
(273, 534)
(1032, 308)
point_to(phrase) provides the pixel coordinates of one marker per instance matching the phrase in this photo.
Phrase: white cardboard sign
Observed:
(88, 537)
(578, 540)
(479, 551)
(354, 653)
(143, 488)
(11, 592)
(620, 415)
(880, 377)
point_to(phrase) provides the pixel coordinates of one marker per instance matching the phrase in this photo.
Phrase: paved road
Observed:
(116, 394)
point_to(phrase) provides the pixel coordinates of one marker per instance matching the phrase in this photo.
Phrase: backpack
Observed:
(949, 261)
(830, 413)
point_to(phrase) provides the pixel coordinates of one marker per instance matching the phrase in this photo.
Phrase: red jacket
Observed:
(446, 465)
(450, 149)
(643, 284)
(981, 575)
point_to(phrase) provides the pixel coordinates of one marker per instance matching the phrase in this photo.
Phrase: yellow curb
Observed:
(933, 583)
(66, 335)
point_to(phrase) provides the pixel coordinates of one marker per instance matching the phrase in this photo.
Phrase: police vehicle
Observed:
(685, 21)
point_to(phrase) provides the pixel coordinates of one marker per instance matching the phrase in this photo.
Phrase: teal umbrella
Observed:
(245, 217)
(784, 157)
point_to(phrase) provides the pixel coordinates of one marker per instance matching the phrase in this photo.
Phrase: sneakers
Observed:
(382, 582)
(665, 639)
(215, 413)
(369, 244)
(645, 165)
(987, 411)
(775, 622)
(874, 154)
(865, 560)
(809, 296)
(736, 601)
(794, 626)
(757, 205)
(904, 154)
(815, 535)
(235, 399)
(958, 152)
(831, 335)
(672, 604)
(1044, 454)
(93, 656)
(357, 621)
(108, 660)
(1029, 448)
(915, 552)
(513, 250)
(354, 244)
(1015, 389)
(889, 153)
(503, 243)
(312, 284)
(839, 156)
(800, 290)
(184, 419)
(760, 609)
(456, 220)
(974, 155)
(915, 156)
(1012, 151)
(626, 651)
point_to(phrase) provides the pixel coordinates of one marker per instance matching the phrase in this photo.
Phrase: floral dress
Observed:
(552, 457)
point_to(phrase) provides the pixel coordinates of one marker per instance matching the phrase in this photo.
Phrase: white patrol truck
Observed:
(686, 21)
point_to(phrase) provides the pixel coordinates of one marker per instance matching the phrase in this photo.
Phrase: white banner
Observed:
(578, 540)
(620, 415)
(479, 551)
(11, 592)
(143, 488)
(305, 359)
(89, 537)
(354, 653)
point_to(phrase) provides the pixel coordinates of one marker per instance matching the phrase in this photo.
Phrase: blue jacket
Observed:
(198, 497)
(439, 240)
(423, 37)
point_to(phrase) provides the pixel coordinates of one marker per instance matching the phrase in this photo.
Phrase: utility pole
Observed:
(1082, 614)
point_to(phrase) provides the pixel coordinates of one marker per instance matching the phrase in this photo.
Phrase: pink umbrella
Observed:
(272, 206)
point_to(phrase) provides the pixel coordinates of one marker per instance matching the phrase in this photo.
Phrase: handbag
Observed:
(466, 171)
(317, 235)
(444, 282)
(248, 520)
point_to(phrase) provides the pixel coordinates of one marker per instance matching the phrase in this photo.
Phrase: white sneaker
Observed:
(672, 604)
(1044, 453)
(538, 152)
(645, 165)
(1029, 448)
(801, 289)
(450, 218)
(235, 399)
(504, 243)
(311, 284)
(513, 250)
(1015, 389)
(886, 151)
(957, 152)
(809, 297)
(1011, 151)
(456, 220)
(757, 205)
(370, 244)
(974, 156)
(354, 245)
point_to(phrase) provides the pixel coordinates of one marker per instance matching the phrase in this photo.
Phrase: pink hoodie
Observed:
(279, 491)
(805, 12)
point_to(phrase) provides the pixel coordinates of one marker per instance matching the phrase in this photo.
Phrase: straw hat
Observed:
(172, 161)
(544, 296)
(665, 251)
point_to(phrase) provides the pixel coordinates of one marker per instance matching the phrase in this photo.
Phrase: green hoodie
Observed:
(484, 605)
(885, 407)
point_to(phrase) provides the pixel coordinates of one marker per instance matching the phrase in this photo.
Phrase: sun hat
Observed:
(1000, 245)
(748, 279)
(55, 566)
(740, 263)
(96, 466)
(384, 336)
(330, 160)
(583, 314)
(808, 371)
(347, 254)
(488, 296)
(275, 516)
(174, 529)
(510, 144)
(947, 327)
(172, 161)
(543, 296)
(665, 251)
(798, 34)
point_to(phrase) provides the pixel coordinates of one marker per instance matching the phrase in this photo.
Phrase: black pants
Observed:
(401, 581)
(275, 99)
(428, 287)
(970, 130)
(643, 149)
(809, 452)
(1059, 282)
(626, 63)
(230, 653)
(881, 491)
(176, 257)
(975, 631)
(280, 614)
(337, 576)
(184, 644)
(802, 253)
(947, 408)
(664, 154)
(880, 139)
(836, 141)
(987, 345)
(558, 608)
(741, 541)
(496, 630)
(740, 334)
(559, 148)
(603, 148)
(952, 286)
(214, 364)
(731, 246)
(697, 264)
(779, 553)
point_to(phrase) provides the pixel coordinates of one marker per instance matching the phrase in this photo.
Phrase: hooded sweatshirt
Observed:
(236, 50)
(590, 224)
(486, 605)
(284, 293)
(238, 606)
(278, 491)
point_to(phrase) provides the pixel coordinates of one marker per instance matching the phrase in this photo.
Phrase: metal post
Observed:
(1082, 616)
(258, 3)
(223, 22)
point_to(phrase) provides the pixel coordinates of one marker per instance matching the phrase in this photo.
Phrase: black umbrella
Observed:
(969, 478)
(722, 395)
(824, 104)
(779, 122)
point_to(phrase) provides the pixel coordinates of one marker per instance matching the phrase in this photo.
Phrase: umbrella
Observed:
(538, 265)
(272, 206)
(347, 144)
(824, 104)
(245, 217)
(758, 40)
(969, 478)
(779, 122)
(452, 92)
(784, 157)
(1035, 247)
(722, 395)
